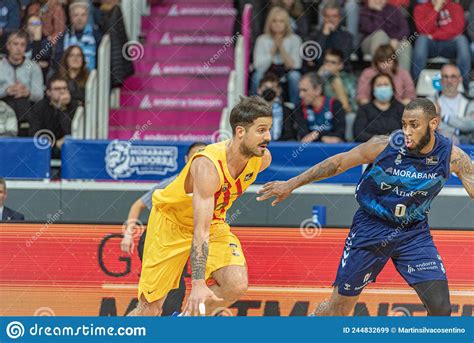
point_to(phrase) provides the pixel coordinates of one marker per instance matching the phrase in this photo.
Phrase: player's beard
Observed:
(424, 141)
(249, 152)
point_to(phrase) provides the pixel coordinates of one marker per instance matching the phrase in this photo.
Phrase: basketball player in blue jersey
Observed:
(394, 194)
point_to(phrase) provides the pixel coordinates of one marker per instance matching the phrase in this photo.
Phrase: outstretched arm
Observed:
(205, 184)
(334, 165)
(462, 166)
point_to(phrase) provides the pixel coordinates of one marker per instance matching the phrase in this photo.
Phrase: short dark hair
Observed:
(335, 52)
(385, 53)
(18, 34)
(3, 183)
(195, 144)
(248, 110)
(425, 105)
(314, 79)
(332, 4)
(53, 79)
(269, 77)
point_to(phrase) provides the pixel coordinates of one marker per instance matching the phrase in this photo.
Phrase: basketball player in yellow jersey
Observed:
(188, 219)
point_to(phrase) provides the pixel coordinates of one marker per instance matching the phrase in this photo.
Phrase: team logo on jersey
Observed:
(225, 187)
(234, 248)
(432, 160)
(123, 159)
(398, 160)
(248, 176)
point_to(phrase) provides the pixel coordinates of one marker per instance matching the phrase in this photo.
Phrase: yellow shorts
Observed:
(167, 248)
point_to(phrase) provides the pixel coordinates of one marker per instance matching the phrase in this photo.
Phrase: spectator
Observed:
(52, 15)
(7, 214)
(21, 80)
(299, 21)
(285, 124)
(386, 62)
(277, 50)
(8, 122)
(338, 83)
(332, 35)
(441, 25)
(73, 68)
(381, 23)
(382, 115)
(324, 116)
(456, 110)
(112, 23)
(39, 48)
(351, 15)
(80, 33)
(9, 20)
(55, 112)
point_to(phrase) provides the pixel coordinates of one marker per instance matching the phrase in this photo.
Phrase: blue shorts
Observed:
(372, 242)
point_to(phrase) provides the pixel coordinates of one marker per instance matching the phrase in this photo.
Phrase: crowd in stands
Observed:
(48, 49)
(332, 95)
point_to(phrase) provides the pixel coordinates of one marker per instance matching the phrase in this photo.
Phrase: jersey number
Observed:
(400, 210)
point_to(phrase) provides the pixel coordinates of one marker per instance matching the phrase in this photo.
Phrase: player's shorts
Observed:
(372, 242)
(167, 248)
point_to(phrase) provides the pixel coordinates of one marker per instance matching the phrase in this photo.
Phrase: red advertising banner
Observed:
(70, 270)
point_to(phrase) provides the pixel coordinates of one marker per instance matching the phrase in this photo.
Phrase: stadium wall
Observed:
(106, 202)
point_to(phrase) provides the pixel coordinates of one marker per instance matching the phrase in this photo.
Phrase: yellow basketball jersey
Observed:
(175, 204)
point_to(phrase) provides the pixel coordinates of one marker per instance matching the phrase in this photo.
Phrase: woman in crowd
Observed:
(52, 15)
(382, 115)
(385, 61)
(299, 21)
(73, 68)
(277, 50)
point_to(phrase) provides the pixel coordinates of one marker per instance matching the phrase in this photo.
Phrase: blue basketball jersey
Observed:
(399, 186)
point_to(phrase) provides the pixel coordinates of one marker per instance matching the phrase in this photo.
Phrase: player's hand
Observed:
(127, 244)
(200, 293)
(279, 189)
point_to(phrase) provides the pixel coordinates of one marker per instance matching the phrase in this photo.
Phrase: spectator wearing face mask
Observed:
(382, 115)
(285, 122)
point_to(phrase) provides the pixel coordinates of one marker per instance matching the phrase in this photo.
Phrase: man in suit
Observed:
(7, 214)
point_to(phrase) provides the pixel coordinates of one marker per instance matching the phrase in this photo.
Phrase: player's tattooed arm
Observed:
(334, 165)
(462, 166)
(362, 154)
(205, 181)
